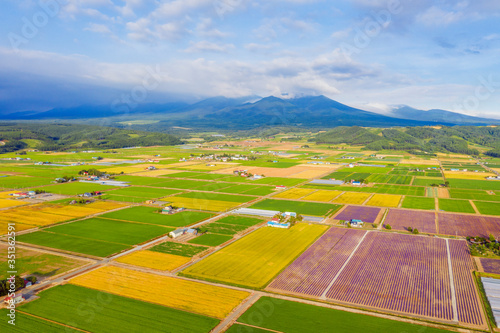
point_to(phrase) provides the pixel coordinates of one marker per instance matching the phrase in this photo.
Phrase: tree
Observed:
(492, 238)
(415, 231)
(388, 227)
(410, 229)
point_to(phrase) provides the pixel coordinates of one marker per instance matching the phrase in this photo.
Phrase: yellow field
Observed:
(124, 169)
(104, 205)
(384, 200)
(5, 194)
(19, 227)
(202, 204)
(352, 198)
(255, 259)
(308, 174)
(6, 203)
(155, 260)
(322, 195)
(468, 175)
(45, 214)
(169, 291)
(294, 193)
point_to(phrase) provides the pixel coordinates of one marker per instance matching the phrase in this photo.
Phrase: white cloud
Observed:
(435, 16)
(205, 46)
(98, 28)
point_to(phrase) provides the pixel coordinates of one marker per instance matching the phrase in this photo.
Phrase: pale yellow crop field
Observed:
(6, 194)
(322, 195)
(173, 292)
(104, 205)
(31, 217)
(202, 204)
(294, 193)
(6, 203)
(384, 200)
(353, 198)
(313, 173)
(468, 175)
(124, 169)
(155, 260)
(4, 225)
(256, 259)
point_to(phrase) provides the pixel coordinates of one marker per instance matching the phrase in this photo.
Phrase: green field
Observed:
(210, 239)
(72, 243)
(75, 188)
(14, 182)
(143, 192)
(98, 311)
(26, 323)
(421, 181)
(138, 180)
(474, 184)
(473, 195)
(96, 236)
(180, 183)
(178, 249)
(456, 206)
(39, 263)
(217, 196)
(150, 215)
(419, 203)
(300, 207)
(240, 220)
(224, 228)
(244, 189)
(278, 181)
(488, 208)
(293, 317)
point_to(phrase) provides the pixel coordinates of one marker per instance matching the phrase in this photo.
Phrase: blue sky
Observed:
(365, 53)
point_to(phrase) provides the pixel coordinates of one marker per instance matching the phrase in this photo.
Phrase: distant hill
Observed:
(254, 112)
(436, 115)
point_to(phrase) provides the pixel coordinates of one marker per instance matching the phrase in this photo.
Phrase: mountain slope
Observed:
(437, 115)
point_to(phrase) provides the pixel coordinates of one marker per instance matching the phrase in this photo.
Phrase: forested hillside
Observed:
(418, 140)
(66, 137)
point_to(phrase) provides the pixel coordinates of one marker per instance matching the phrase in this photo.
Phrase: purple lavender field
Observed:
(365, 214)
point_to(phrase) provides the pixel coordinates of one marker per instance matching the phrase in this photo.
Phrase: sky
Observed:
(371, 54)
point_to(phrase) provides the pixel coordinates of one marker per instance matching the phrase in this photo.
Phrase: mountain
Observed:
(436, 115)
(252, 112)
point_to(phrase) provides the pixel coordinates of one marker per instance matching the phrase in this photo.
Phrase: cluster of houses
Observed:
(16, 159)
(171, 210)
(356, 223)
(23, 195)
(276, 222)
(90, 194)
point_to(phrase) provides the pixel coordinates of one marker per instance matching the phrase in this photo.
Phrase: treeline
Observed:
(418, 140)
(58, 137)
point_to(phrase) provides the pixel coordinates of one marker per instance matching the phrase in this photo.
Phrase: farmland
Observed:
(295, 317)
(384, 200)
(61, 304)
(269, 250)
(98, 237)
(155, 260)
(365, 214)
(176, 284)
(168, 291)
(400, 219)
(306, 208)
(151, 215)
(468, 225)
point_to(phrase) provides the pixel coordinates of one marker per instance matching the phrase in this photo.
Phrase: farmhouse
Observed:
(177, 233)
(280, 187)
(16, 299)
(356, 223)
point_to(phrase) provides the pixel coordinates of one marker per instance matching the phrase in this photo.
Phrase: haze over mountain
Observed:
(253, 111)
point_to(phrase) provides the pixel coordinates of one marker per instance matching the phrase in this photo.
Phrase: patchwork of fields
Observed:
(177, 284)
